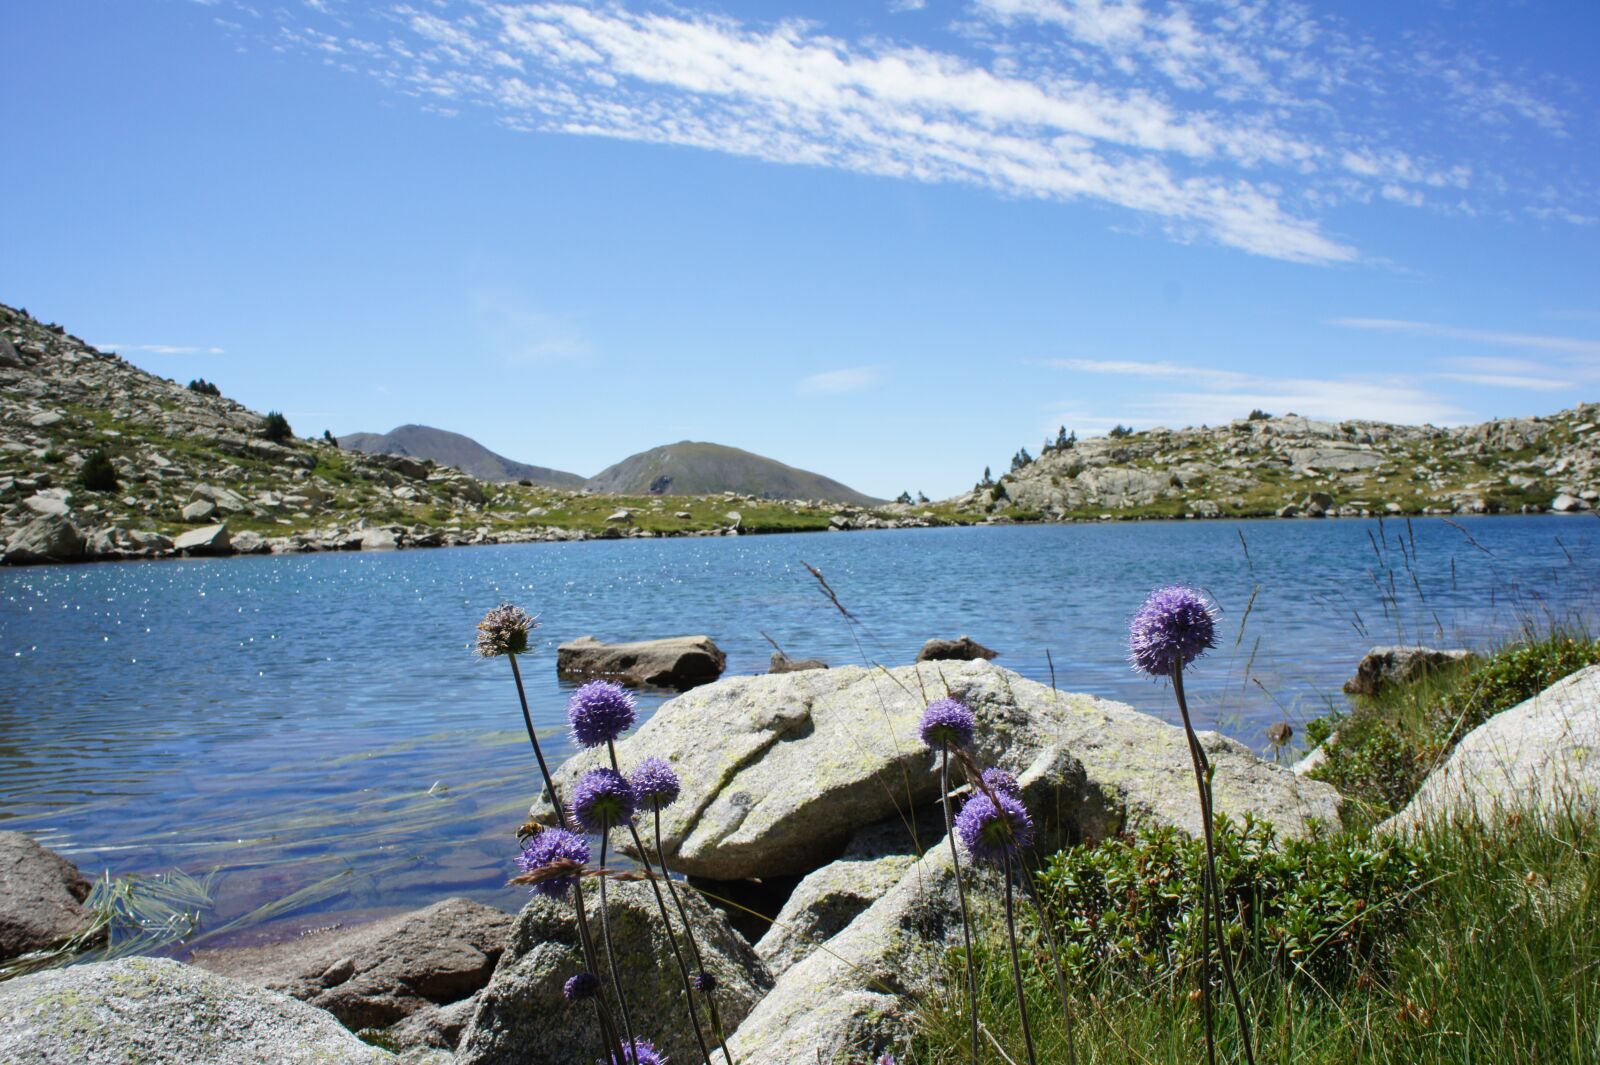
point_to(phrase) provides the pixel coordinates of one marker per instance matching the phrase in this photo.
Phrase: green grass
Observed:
(1497, 960)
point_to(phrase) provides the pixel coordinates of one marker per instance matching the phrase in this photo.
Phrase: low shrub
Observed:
(204, 387)
(275, 427)
(98, 474)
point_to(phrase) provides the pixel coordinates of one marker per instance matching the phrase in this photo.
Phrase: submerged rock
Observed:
(1542, 755)
(522, 1018)
(41, 897)
(675, 662)
(1384, 666)
(782, 663)
(154, 1011)
(966, 649)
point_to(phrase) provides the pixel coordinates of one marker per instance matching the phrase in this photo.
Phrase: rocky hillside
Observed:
(102, 460)
(1291, 466)
(690, 468)
(453, 449)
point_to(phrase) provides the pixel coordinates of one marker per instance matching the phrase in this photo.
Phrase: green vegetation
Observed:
(275, 427)
(204, 387)
(1385, 746)
(97, 474)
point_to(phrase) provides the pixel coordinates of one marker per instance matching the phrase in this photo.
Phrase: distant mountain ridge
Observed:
(454, 449)
(695, 468)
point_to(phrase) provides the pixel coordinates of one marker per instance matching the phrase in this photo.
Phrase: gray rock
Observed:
(250, 543)
(1334, 458)
(41, 897)
(154, 1011)
(523, 1020)
(199, 510)
(376, 975)
(1383, 666)
(51, 501)
(676, 662)
(47, 538)
(782, 663)
(211, 540)
(1568, 504)
(436, 1027)
(1541, 755)
(966, 649)
(798, 762)
(379, 540)
(620, 516)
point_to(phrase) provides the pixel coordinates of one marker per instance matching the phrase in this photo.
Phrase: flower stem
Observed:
(961, 893)
(605, 935)
(585, 940)
(688, 933)
(666, 921)
(1213, 894)
(1016, 963)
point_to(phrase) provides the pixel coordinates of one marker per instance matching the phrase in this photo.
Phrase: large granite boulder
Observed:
(851, 1001)
(41, 897)
(211, 540)
(47, 538)
(522, 1018)
(379, 974)
(1385, 666)
(792, 765)
(1542, 755)
(154, 1011)
(676, 662)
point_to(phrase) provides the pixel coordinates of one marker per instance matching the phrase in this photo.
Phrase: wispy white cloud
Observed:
(836, 382)
(162, 349)
(1538, 341)
(515, 332)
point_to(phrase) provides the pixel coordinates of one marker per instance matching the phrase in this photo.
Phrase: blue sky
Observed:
(888, 240)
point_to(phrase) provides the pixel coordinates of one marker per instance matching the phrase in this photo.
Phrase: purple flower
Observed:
(887, 1059)
(1175, 626)
(580, 986)
(642, 1052)
(948, 722)
(990, 829)
(703, 981)
(600, 711)
(504, 631)
(547, 848)
(1002, 783)
(655, 784)
(602, 800)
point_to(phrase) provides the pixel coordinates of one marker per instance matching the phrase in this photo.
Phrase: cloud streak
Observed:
(162, 349)
(838, 382)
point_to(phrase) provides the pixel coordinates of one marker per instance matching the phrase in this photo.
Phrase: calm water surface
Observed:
(317, 723)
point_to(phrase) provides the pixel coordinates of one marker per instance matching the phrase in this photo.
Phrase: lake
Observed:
(315, 728)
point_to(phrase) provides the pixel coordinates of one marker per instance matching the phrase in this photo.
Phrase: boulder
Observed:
(1383, 666)
(798, 762)
(41, 897)
(199, 510)
(966, 649)
(522, 1018)
(154, 1011)
(852, 1001)
(676, 662)
(211, 540)
(1568, 504)
(52, 501)
(47, 538)
(782, 663)
(379, 974)
(250, 543)
(379, 540)
(1542, 755)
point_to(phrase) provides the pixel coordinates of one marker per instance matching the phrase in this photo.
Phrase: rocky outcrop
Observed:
(41, 897)
(1382, 667)
(798, 762)
(47, 538)
(522, 1018)
(384, 973)
(211, 540)
(676, 662)
(153, 1011)
(1542, 755)
(965, 649)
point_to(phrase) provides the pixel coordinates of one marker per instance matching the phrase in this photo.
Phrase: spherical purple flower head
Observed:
(580, 986)
(992, 828)
(603, 799)
(948, 722)
(504, 631)
(703, 981)
(1002, 783)
(655, 784)
(600, 711)
(548, 847)
(1175, 626)
(641, 1052)
(887, 1059)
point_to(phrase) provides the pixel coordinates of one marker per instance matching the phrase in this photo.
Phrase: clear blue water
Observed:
(320, 720)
